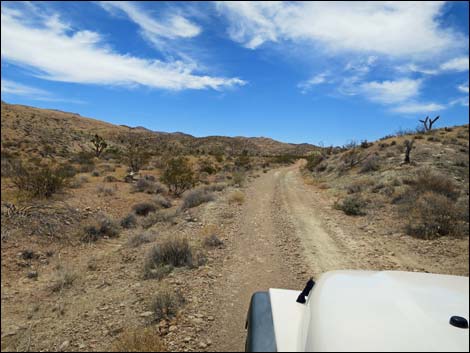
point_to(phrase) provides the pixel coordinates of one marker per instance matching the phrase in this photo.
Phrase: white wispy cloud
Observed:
(463, 88)
(412, 108)
(318, 79)
(83, 57)
(411, 67)
(158, 31)
(18, 89)
(389, 92)
(460, 64)
(394, 29)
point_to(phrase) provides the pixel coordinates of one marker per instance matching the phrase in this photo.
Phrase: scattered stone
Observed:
(64, 345)
(146, 314)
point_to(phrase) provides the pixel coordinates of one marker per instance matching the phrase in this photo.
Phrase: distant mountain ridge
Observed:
(38, 128)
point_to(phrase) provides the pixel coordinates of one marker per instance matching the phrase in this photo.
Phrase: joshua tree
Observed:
(99, 144)
(429, 122)
(408, 147)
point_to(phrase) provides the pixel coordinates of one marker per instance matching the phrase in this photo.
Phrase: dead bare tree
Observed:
(408, 147)
(429, 122)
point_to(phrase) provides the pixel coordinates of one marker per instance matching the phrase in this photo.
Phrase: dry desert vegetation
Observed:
(125, 239)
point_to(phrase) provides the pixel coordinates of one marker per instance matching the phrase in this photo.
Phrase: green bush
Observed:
(39, 181)
(178, 175)
(313, 161)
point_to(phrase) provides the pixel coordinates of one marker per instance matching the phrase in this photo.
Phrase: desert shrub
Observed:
(107, 168)
(141, 238)
(63, 278)
(371, 164)
(243, 162)
(236, 197)
(212, 241)
(427, 180)
(106, 191)
(95, 173)
(365, 144)
(92, 264)
(313, 161)
(129, 221)
(178, 175)
(78, 181)
(104, 227)
(110, 179)
(322, 166)
(432, 215)
(135, 152)
(39, 181)
(206, 166)
(149, 186)
(83, 158)
(166, 304)
(238, 178)
(357, 186)
(284, 159)
(173, 252)
(144, 208)
(195, 198)
(214, 187)
(157, 217)
(145, 339)
(460, 162)
(352, 206)
(162, 202)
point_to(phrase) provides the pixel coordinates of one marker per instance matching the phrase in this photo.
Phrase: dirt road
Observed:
(281, 242)
(289, 231)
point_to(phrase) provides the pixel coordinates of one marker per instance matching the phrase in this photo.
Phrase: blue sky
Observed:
(294, 71)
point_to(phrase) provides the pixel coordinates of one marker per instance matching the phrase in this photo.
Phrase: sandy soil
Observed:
(285, 232)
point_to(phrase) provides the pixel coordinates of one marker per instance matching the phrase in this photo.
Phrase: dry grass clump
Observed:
(359, 185)
(158, 217)
(64, 277)
(104, 227)
(371, 164)
(213, 241)
(162, 202)
(352, 206)
(237, 197)
(166, 304)
(427, 180)
(141, 238)
(129, 221)
(106, 191)
(78, 181)
(149, 185)
(144, 208)
(432, 215)
(139, 340)
(196, 197)
(173, 252)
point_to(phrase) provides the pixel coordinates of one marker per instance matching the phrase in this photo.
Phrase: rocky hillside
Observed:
(426, 198)
(41, 132)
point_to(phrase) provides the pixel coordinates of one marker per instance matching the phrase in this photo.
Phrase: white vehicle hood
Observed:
(374, 311)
